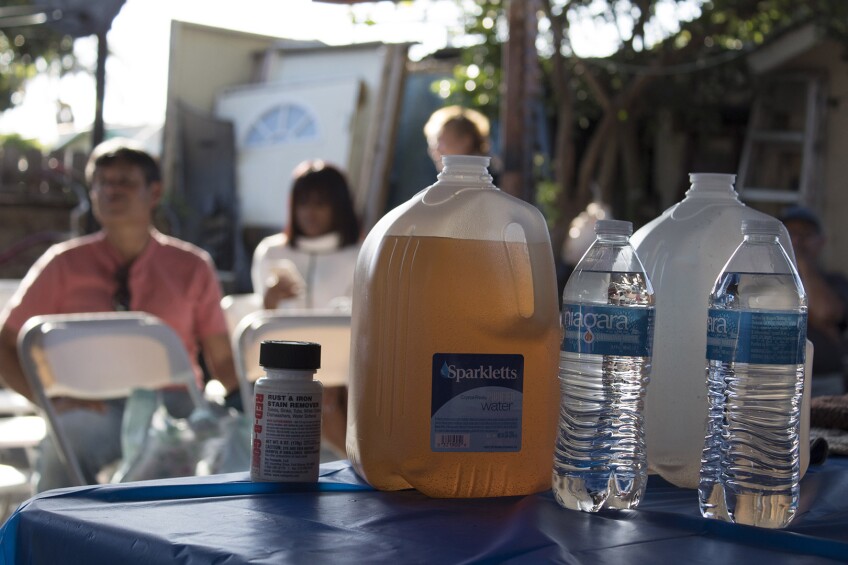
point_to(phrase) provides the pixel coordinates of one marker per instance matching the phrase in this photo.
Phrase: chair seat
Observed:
(13, 480)
(12, 403)
(21, 431)
(15, 487)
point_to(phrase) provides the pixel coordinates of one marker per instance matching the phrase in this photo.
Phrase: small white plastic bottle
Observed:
(286, 438)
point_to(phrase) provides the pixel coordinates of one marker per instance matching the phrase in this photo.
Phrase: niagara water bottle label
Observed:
(476, 402)
(764, 338)
(599, 329)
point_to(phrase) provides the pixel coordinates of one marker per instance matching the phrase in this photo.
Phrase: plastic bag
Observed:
(157, 445)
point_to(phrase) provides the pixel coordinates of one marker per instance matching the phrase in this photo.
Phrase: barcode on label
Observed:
(455, 441)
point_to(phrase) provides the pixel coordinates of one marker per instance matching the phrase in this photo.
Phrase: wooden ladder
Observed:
(781, 156)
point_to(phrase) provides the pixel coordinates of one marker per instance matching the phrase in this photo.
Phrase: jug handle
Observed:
(521, 268)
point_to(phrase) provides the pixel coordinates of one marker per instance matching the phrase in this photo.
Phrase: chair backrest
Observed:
(100, 356)
(329, 328)
(237, 306)
(7, 289)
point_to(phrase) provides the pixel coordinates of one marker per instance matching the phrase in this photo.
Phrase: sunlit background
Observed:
(137, 67)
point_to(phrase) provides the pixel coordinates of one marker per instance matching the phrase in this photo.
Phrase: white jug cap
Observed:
(720, 178)
(465, 160)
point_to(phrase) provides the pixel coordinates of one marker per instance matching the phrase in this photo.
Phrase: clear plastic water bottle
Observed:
(600, 460)
(756, 332)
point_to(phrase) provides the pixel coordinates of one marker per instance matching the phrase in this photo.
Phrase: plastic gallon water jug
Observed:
(683, 251)
(455, 339)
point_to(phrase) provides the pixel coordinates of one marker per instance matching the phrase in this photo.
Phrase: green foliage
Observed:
(716, 40)
(693, 69)
(476, 80)
(19, 143)
(26, 50)
(546, 199)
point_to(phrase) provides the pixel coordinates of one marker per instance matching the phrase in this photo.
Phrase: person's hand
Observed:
(282, 286)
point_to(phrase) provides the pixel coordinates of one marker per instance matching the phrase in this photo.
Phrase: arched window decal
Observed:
(286, 123)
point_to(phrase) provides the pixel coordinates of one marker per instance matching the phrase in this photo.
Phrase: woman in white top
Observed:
(310, 265)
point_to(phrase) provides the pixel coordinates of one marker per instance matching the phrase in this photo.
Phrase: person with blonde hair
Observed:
(455, 130)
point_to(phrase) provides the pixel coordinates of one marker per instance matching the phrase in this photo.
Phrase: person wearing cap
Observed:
(827, 301)
(126, 265)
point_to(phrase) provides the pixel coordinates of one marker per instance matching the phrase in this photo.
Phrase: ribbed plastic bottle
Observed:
(683, 251)
(455, 334)
(756, 333)
(600, 459)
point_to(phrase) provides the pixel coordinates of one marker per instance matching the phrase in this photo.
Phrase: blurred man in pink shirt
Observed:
(127, 265)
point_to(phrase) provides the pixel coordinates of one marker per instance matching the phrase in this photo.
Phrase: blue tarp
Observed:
(228, 519)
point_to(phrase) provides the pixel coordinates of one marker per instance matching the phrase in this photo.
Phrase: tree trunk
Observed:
(521, 76)
(564, 152)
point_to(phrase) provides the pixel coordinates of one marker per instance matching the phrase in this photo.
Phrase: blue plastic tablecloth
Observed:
(228, 519)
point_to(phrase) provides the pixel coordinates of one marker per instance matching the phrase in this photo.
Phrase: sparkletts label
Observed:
(476, 402)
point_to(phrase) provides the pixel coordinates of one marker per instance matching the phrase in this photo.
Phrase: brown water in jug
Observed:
(429, 296)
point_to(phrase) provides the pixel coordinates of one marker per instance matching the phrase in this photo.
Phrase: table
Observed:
(228, 519)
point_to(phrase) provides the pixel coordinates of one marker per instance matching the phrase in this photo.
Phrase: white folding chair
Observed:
(14, 486)
(14, 404)
(21, 430)
(329, 328)
(21, 427)
(237, 306)
(19, 436)
(99, 356)
(7, 289)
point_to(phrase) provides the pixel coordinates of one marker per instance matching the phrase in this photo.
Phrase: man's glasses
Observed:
(121, 298)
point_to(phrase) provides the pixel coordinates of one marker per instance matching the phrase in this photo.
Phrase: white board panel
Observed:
(278, 125)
